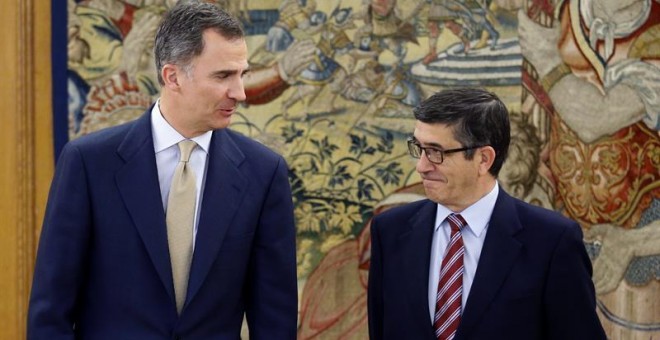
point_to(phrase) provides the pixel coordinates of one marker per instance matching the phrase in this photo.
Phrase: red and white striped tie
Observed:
(450, 287)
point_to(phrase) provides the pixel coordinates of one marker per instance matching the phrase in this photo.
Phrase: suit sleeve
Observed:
(570, 296)
(59, 269)
(374, 291)
(272, 296)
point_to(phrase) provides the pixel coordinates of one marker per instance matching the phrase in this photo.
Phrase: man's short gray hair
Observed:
(180, 35)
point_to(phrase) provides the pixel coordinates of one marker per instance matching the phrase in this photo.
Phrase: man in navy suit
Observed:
(103, 268)
(507, 269)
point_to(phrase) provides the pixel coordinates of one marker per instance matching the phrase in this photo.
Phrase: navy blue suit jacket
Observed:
(533, 279)
(103, 268)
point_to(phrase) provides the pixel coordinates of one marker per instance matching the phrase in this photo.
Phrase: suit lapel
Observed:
(499, 252)
(223, 191)
(137, 182)
(418, 242)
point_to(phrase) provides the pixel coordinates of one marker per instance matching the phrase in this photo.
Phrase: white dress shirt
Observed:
(166, 140)
(477, 216)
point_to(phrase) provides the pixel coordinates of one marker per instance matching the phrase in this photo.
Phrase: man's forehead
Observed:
(436, 134)
(228, 54)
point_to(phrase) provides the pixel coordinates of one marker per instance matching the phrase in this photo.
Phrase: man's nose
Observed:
(423, 164)
(237, 91)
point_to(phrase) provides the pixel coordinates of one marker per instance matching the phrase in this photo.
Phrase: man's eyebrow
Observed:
(228, 72)
(432, 144)
(223, 72)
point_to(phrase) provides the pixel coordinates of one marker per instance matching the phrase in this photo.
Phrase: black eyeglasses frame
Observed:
(415, 150)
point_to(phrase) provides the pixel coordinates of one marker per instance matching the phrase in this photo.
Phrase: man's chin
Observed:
(221, 124)
(434, 190)
(433, 195)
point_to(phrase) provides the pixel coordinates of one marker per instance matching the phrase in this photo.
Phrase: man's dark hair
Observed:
(180, 35)
(476, 116)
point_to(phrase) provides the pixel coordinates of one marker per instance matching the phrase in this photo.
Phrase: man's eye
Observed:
(220, 75)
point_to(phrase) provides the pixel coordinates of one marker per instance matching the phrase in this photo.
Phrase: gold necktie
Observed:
(179, 219)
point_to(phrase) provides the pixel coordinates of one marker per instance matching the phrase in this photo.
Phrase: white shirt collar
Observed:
(166, 136)
(477, 215)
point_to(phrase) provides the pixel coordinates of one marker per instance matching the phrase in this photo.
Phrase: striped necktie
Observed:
(450, 286)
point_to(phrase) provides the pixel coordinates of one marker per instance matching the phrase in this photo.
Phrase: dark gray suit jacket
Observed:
(103, 268)
(533, 279)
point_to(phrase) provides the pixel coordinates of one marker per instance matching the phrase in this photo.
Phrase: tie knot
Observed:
(456, 222)
(186, 147)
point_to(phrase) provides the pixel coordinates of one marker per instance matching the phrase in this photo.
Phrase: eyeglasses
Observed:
(434, 155)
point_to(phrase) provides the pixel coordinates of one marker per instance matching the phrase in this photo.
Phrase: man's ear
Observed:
(170, 74)
(486, 157)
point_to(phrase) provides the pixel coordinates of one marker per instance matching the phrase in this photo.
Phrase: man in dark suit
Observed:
(115, 263)
(471, 262)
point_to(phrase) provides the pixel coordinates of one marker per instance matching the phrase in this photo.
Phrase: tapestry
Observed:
(332, 87)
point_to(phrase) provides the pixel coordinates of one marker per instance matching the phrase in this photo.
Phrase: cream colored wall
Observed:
(27, 156)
